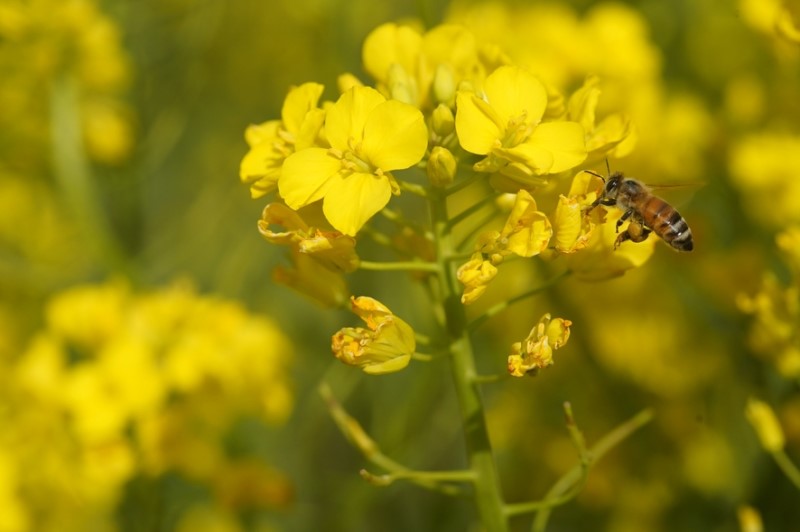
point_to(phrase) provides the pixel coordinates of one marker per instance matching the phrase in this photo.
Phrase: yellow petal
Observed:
(565, 140)
(298, 102)
(395, 136)
(258, 133)
(477, 124)
(583, 103)
(346, 118)
(390, 44)
(306, 176)
(512, 91)
(262, 162)
(352, 200)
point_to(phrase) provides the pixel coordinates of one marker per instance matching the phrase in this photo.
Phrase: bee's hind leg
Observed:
(625, 216)
(635, 232)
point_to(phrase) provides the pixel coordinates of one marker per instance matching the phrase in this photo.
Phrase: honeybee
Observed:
(647, 212)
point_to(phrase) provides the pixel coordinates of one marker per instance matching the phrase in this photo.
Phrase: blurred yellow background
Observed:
(153, 376)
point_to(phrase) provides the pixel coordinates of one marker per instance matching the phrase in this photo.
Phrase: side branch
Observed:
(500, 307)
(440, 481)
(411, 266)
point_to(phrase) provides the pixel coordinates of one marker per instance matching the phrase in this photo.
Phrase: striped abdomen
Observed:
(667, 223)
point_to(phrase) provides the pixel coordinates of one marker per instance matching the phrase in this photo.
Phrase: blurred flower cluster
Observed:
(49, 42)
(118, 386)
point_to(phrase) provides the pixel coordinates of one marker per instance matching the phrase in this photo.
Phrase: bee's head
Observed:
(612, 184)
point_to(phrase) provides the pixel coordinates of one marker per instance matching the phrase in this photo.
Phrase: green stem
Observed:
(788, 467)
(73, 174)
(562, 491)
(469, 211)
(413, 188)
(461, 185)
(488, 496)
(500, 307)
(412, 266)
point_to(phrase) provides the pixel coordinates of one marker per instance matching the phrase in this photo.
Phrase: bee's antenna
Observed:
(608, 167)
(594, 174)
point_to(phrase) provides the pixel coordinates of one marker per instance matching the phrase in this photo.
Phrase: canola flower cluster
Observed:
(446, 113)
(119, 386)
(44, 43)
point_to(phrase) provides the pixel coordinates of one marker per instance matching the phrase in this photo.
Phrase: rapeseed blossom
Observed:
(125, 385)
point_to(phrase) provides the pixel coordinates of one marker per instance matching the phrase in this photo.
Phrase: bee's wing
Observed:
(676, 194)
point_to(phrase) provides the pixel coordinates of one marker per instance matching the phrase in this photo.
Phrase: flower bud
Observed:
(444, 86)
(766, 425)
(443, 121)
(441, 167)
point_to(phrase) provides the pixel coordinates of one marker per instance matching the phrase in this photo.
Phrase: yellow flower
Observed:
(332, 249)
(614, 135)
(272, 142)
(412, 67)
(763, 419)
(475, 275)
(536, 352)
(504, 124)
(527, 231)
(573, 225)
(369, 136)
(385, 346)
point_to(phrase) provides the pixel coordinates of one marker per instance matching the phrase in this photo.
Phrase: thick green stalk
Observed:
(488, 496)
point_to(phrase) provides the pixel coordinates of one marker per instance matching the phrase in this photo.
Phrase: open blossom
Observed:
(273, 141)
(369, 136)
(504, 123)
(385, 346)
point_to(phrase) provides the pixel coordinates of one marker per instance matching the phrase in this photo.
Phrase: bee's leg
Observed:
(608, 202)
(625, 216)
(635, 232)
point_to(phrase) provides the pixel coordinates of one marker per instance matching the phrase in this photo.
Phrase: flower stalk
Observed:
(488, 495)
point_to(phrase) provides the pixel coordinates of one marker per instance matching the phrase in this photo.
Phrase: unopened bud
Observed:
(441, 167)
(442, 121)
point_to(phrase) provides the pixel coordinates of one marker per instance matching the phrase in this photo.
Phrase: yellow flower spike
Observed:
(441, 167)
(475, 274)
(369, 136)
(536, 352)
(527, 231)
(763, 419)
(385, 346)
(332, 249)
(273, 141)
